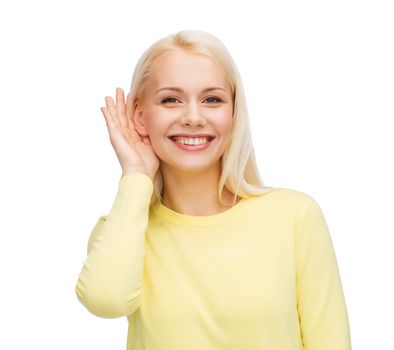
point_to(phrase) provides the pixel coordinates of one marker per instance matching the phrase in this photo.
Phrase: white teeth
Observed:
(192, 141)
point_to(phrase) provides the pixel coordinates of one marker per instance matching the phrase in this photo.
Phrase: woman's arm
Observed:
(110, 282)
(320, 299)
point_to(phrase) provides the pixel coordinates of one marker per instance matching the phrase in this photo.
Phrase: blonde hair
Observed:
(239, 172)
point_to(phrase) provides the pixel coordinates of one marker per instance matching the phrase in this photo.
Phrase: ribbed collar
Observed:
(168, 214)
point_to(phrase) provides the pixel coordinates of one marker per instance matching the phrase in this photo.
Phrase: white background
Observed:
(319, 82)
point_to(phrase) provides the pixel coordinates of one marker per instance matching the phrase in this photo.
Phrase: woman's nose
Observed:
(193, 115)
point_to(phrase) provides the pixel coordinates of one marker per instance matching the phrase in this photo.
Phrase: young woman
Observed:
(196, 252)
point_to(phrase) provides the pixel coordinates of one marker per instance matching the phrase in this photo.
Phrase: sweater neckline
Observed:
(197, 220)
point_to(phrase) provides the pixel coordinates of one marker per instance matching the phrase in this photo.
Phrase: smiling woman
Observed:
(161, 113)
(196, 252)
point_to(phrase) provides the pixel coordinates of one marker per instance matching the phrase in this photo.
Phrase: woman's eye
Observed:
(168, 99)
(214, 98)
(211, 99)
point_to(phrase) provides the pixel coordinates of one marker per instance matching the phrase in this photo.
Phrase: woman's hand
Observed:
(134, 152)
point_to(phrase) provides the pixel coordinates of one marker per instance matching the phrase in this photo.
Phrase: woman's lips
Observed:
(210, 137)
(192, 147)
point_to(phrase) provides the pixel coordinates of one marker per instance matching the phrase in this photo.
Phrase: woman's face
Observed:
(177, 102)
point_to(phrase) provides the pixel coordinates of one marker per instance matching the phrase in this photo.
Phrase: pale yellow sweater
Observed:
(262, 275)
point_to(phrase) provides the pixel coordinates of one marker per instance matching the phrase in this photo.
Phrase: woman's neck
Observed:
(194, 193)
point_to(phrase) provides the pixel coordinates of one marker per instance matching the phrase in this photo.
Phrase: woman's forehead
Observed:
(177, 68)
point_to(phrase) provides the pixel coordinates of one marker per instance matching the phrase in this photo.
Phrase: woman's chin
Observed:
(189, 167)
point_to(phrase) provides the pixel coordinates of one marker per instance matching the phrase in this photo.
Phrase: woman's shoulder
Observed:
(284, 197)
(287, 193)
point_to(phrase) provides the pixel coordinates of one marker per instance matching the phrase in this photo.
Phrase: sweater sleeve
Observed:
(320, 298)
(110, 282)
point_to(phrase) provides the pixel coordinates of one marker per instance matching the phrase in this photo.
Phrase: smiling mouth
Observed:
(192, 141)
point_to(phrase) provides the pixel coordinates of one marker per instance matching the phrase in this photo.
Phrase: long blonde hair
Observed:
(239, 172)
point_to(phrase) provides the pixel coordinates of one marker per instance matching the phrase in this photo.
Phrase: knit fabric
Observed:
(260, 275)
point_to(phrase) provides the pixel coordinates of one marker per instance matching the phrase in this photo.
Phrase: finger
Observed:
(111, 105)
(108, 118)
(112, 109)
(120, 106)
(129, 111)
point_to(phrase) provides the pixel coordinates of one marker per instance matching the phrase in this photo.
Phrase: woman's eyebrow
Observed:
(174, 88)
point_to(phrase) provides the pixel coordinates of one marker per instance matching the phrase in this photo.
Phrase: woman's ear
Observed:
(138, 119)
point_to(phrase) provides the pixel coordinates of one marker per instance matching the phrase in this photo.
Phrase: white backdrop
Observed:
(318, 78)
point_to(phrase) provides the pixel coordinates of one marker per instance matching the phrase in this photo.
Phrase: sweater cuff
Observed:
(141, 184)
